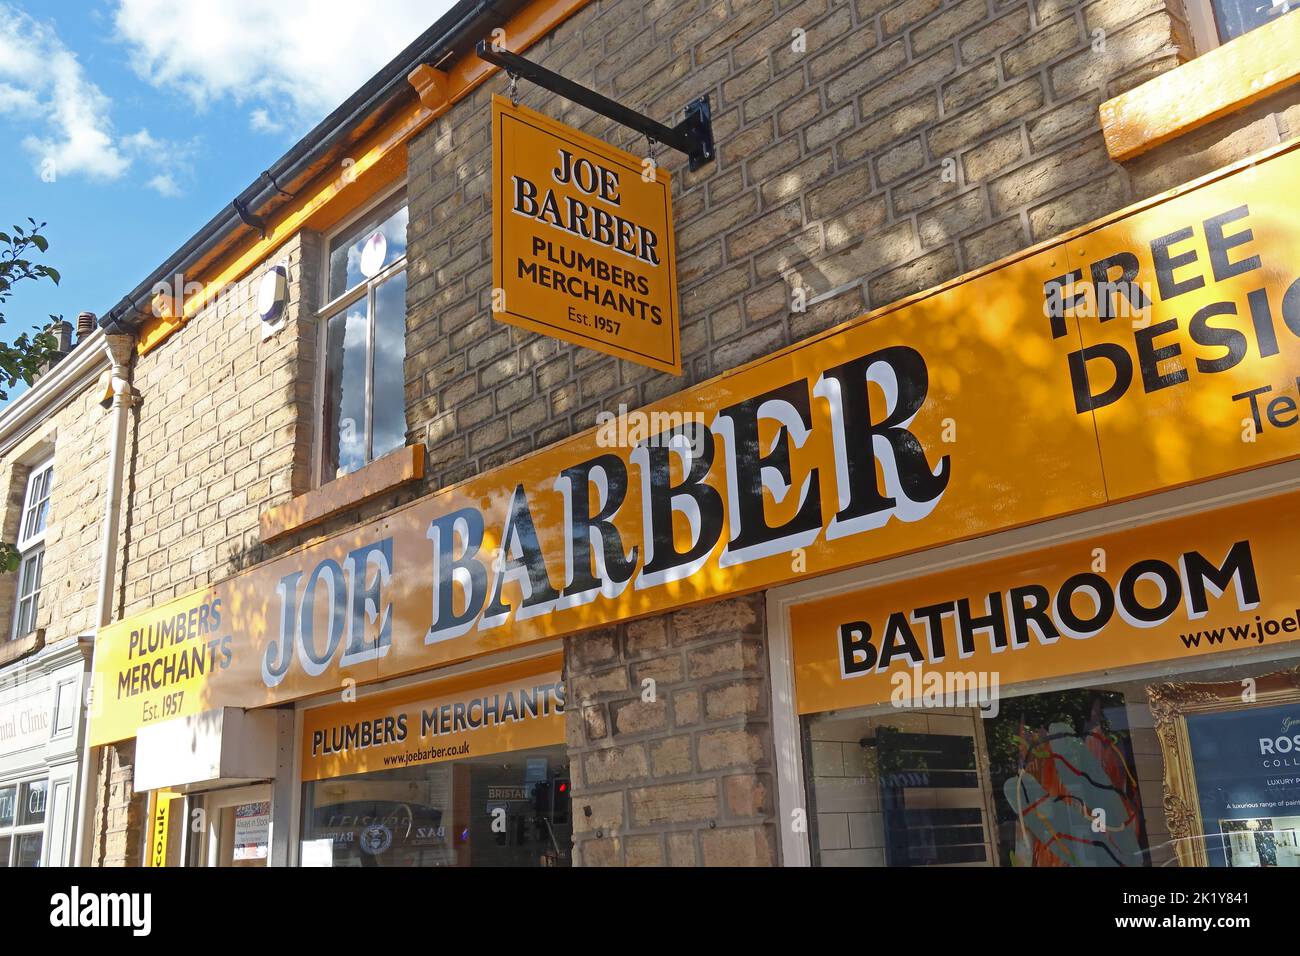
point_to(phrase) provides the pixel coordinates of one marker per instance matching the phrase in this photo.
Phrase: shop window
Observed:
(1215, 22)
(22, 823)
(364, 408)
(31, 546)
(1065, 778)
(508, 809)
(1050, 780)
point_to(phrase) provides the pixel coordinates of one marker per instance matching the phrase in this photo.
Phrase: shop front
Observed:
(1026, 540)
(467, 771)
(41, 732)
(1128, 698)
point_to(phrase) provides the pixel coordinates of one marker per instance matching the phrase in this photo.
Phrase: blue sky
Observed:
(127, 124)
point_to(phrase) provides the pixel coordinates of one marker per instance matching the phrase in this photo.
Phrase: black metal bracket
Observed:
(248, 218)
(692, 136)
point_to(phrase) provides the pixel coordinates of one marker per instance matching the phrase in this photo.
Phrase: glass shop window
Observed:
(31, 548)
(509, 809)
(364, 414)
(1074, 777)
(948, 786)
(22, 823)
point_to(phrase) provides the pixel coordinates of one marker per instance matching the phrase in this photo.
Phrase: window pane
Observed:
(362, 253)
(345, 400)
(36, 508)
(390, 376)
(1021, 785)
(1236, 17)
(29, 592)
(7, 805)
(29, 849)
(442, 814)
(31, 803)
(5, 843)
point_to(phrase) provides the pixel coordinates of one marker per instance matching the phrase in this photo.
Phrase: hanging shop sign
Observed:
(1223, 581)
(983, 405)
(517, 707)
(582, 240)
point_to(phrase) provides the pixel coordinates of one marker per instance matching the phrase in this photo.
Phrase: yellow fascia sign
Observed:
(1157, 348)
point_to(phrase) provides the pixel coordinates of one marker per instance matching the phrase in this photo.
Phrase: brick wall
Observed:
(77, 433)
(222, 429)
(909, 142)
(120, 814)
(684, 778)
(1240, 134)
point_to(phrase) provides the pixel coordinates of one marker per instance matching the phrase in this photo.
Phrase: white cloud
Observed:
(172, 161)
(42, 84)
(164, 185)
(259, 121)
(15, 99)
(295, 59)
(40, 74)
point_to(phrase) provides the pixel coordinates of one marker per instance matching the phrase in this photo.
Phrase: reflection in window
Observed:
(364, 252)
(953, 786)
(365, 397)
(22, 823)
(1235, 17)
(443, 814)
(31, 547)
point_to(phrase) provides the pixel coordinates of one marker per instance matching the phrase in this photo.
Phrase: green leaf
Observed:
(40, 242)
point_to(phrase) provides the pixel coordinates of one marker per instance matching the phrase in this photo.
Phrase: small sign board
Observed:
(582, 240)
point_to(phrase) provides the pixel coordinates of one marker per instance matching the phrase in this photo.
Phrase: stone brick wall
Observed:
(684, 778)
(222, 429)
(119, 820)
(77, 433)
(910, 141)
(1274, 119)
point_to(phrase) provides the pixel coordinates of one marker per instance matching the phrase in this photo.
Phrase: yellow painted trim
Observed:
(430, 84)
(379, 161)
(402, 467)
(1254, 65)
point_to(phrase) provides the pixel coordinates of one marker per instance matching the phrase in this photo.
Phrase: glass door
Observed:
(237, 827)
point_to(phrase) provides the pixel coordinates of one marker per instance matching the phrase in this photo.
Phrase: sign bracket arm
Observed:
(693, 136)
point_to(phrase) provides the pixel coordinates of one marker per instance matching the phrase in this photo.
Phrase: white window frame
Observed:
(215, 839)
(396, 197)
(32, 546)
(1200, 20)
(42, 474)
(16, 830)
(792, 803)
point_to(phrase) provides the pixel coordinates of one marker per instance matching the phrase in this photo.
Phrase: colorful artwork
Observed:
(1071, 795)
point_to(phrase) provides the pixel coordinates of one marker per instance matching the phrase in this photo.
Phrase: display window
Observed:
(1052, 780)
(465, 771)
(501, 810)
(22, 823)
(1129, 701)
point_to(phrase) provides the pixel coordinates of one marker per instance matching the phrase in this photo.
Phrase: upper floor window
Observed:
(1218, 21)
(31, 544)
(364, 404)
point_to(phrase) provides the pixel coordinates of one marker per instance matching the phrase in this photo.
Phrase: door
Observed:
(237, 827)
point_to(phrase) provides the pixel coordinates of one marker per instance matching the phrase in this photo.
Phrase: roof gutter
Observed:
(431, 47)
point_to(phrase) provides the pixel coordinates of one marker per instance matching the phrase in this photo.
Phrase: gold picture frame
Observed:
(1171, 704)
